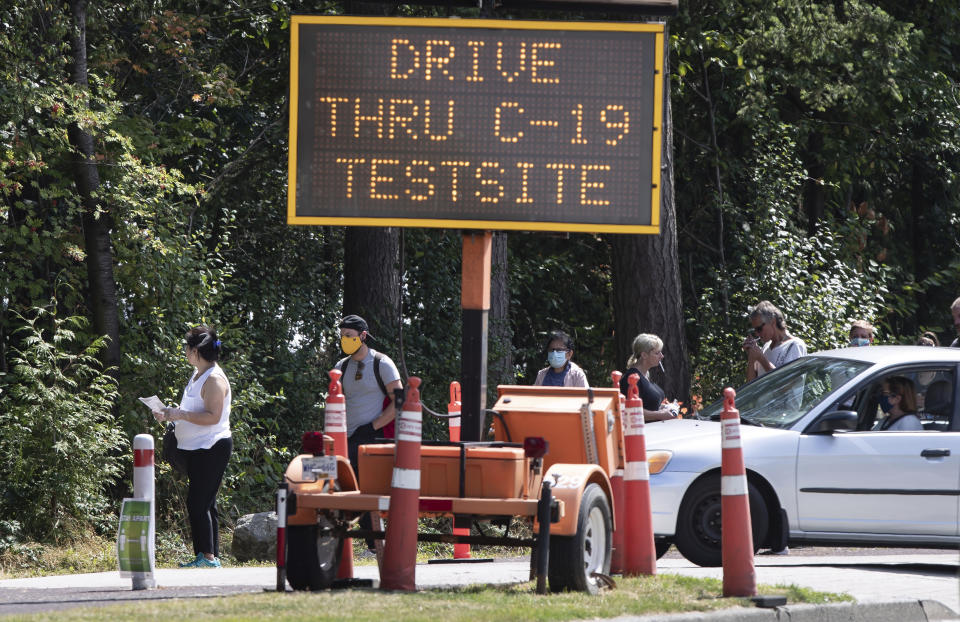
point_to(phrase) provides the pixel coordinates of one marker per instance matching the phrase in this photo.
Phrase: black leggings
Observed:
(205, 469)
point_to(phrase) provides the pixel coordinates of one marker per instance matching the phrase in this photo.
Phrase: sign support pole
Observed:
(475, 304)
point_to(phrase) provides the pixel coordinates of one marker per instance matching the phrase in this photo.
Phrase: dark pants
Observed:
(205, 469)
(363, 435)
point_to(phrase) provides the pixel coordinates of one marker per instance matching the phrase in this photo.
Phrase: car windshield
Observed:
(783, 396)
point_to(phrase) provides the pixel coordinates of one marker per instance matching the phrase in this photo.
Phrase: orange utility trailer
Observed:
(563, 493)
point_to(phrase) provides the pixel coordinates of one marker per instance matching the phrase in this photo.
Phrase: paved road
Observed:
(870, 577)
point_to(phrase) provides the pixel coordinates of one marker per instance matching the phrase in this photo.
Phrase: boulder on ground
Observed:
(255, 537)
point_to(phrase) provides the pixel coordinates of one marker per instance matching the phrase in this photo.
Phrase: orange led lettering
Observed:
(359, 118)
(425, 181)
(524, 195)
(498, 122)
(475, 64)
(439, 62)
(586, 185)
(333, 101)
(455, 167)
(560, 168)
(376, 178)
(521, 62)
(350, 162)
(427, 117)
(537, 63)
(623, 124)
(410, 60)
(489, 182)
(396, 120)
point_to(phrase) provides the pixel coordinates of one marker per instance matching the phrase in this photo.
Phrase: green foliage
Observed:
(806, 277)
(561, 283)
(55, 413)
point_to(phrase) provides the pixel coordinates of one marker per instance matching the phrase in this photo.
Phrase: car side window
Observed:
(935, 398)
(934, 389)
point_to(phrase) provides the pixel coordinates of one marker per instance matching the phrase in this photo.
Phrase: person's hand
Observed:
(171, 413)
(752, 348)
(159, 416)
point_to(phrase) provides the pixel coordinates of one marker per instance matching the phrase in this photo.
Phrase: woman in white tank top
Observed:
(203, 435)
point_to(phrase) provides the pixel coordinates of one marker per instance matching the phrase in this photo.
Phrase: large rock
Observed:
(255, 537)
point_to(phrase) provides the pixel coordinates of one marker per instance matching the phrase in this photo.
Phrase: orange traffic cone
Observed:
(619, 502)
(736, 533)
(641, 555)
(460, 551)
(399, 568)
(335, 425)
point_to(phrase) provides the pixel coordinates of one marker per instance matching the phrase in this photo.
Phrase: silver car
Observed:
(820, 469)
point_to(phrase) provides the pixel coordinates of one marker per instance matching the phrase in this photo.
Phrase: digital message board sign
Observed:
(478, 124)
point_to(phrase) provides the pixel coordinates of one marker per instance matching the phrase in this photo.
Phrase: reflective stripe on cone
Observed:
(641, 553)
(736, 532)
(398, 571)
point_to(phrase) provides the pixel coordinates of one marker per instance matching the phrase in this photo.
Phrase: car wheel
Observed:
(698, 523)
(575, 559)
(313, 556)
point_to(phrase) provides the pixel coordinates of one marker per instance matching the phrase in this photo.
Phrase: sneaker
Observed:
(193, 563)
(201, 562)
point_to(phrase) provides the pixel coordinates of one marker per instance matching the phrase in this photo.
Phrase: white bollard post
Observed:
(143, 489)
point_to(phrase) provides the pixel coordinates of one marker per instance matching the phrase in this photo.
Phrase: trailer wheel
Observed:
(313, 555)
(574, 559)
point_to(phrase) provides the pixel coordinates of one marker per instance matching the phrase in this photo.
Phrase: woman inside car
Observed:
(898, 399)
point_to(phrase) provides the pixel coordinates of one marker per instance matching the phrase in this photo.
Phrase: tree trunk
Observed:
(646, 280)
(499, 333)
(102, 289)
(371, 282)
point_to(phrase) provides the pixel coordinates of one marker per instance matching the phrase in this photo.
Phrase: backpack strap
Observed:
(377, 357)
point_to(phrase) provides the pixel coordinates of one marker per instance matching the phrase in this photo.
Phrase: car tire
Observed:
(313, 556)
(575, 559)
(698, 533)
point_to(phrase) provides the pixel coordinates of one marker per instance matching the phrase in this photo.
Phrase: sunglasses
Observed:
(889, 394)
(359, 374)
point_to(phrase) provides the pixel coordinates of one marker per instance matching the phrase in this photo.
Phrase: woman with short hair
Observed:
(769, 326)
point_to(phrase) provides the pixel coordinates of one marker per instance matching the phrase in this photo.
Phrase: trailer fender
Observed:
(568, 481)
(302, 486)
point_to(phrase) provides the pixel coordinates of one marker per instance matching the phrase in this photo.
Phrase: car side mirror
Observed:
(836, 420)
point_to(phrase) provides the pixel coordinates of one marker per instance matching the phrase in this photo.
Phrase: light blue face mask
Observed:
(557, 359)
(857, 342)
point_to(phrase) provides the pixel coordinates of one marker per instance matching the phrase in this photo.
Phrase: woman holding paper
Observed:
(203, 435)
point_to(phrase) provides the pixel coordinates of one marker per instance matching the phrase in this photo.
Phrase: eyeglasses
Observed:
(889, 394)
(359, 374)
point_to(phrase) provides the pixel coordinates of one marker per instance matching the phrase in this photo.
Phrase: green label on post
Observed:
(133, 539)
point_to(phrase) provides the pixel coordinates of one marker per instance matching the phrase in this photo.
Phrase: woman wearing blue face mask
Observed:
(562, 372)
(898, 399)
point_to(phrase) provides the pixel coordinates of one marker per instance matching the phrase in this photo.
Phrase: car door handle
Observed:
(935, 453)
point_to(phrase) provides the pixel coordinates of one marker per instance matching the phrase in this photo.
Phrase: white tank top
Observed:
(191, 435)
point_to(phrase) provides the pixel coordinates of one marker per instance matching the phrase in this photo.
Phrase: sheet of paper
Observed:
(153, 402)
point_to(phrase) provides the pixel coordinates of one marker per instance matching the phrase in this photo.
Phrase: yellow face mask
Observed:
(349, 345)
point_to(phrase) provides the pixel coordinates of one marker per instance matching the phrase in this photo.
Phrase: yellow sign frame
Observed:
(656, 28)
